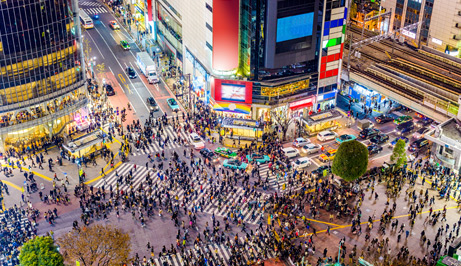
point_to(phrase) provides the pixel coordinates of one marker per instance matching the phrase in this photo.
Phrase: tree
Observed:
(351, 160)
(96, 245)
(399, 154)
(40, 251)
(282, 119)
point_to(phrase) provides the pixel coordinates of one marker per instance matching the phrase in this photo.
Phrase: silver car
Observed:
(312, 148)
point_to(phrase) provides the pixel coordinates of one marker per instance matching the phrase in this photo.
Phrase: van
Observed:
(405, 128)
(290, 152)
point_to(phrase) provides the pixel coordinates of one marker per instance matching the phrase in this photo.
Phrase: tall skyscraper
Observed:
(42, 79)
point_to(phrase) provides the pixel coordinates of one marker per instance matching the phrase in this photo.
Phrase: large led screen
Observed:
(294, 27)
(233, 92)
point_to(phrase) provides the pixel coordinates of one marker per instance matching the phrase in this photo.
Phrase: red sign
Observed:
(149, 10)
(235, 91)
(226, 34)
(302, 103)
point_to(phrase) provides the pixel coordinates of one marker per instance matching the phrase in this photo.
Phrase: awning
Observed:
(232, 107)
(302, 103)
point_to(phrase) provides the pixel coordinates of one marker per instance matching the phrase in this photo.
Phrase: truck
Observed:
(364, 124)
(147, 67)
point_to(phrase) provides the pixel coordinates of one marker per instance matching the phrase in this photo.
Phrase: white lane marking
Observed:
(142, 100)
(95, 44)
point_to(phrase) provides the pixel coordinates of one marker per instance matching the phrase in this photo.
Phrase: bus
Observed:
(86, 21)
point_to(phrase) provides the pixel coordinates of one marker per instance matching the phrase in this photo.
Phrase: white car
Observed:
(301, 163)
(420, 133)
(290, 152)
(312, 148)
(196, 141)
(326, 135)
(300, 142)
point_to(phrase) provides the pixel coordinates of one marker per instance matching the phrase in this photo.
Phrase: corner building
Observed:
(42, 75)
(247, 58)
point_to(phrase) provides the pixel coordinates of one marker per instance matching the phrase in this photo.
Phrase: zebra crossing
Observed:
(249, 210)
(219, 253)
(95, 10)
(89, 3)
(278, 183)
(154, 147)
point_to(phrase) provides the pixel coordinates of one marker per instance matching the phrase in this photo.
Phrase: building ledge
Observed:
(45, 119)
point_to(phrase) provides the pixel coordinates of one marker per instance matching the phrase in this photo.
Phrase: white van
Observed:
(326, 135)
(290, 152)
(301, 163)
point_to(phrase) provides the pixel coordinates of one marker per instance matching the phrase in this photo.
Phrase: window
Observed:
(209, 7)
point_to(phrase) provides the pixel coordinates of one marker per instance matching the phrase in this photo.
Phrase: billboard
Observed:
(234, 91)
(294, 27)
(225, 34)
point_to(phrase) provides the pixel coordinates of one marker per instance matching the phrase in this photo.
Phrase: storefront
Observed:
(199, 77)
(326, 101)
(326, 120)
(244, 129)
(85, 145)
(169, 35)
(302, 107)
(139, 15)
(364, 95)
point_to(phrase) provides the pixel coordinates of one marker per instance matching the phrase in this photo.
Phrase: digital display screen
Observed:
(294, 27)
(233, 92)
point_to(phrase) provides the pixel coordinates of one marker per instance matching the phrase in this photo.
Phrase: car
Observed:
(379, 139)
(312, 148)
(209, 154)
(234, 164)
(321, 169)
(420, 133)
(368, 133)
(374, 149)
(152, 104)
(131, 73)
(344, 138)
(382, 119)
(196, 141)
(259, 158)
(326, 135)
(301, 163)
(225, 152)
(290, 152)
(424, 122)
(109, 90)
(405, 128)
(299, 142)
(125, 45)
(392, 144)
(114, 25)
(173, 104)
(418, 145)
(328, 156)
(402, 119)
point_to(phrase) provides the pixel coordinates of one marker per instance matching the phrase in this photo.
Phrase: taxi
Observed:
(328, 156)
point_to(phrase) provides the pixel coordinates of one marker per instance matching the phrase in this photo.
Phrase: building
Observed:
(42, 77)
(440, 20)
(248, 57)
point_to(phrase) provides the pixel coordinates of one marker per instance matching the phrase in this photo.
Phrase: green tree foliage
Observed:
(40, 251)
(351, 160)
(399, 154)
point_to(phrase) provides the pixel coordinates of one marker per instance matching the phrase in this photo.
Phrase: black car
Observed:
(209, 154)
(424, 122)
(384, 119)
(368, 133)
(374, 149)
(131, 73)
(419, 145)
(152, 104)
(380, 139)
(109, 90)
(319, 171)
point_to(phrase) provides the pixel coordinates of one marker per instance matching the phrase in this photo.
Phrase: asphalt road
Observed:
(105, 47)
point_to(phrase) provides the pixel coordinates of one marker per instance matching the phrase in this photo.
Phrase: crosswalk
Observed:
(24, 225)
(278, 183)
(234, 202)
(95, 10)
(88, 3)
(220, 254)
(154, 147)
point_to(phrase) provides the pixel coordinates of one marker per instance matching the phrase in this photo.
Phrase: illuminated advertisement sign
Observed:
(294, 27)
(302, 103)
(233, 91)
(409, 34)
(226, 34)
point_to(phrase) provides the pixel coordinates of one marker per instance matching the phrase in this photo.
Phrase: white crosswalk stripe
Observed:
(95, 10)
(154, 147)
(88, 3)
(277, 183)
(247, 209)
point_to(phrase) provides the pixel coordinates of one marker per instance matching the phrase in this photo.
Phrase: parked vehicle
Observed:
(405, 128)
(147, 67)
(109, 90)
(299, 142)
(326, 135)
(290, 152)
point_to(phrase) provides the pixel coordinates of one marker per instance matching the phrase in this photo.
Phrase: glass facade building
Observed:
(42, 70)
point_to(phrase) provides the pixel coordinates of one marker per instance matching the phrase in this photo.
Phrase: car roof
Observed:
(300, 139)
(289, 149)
